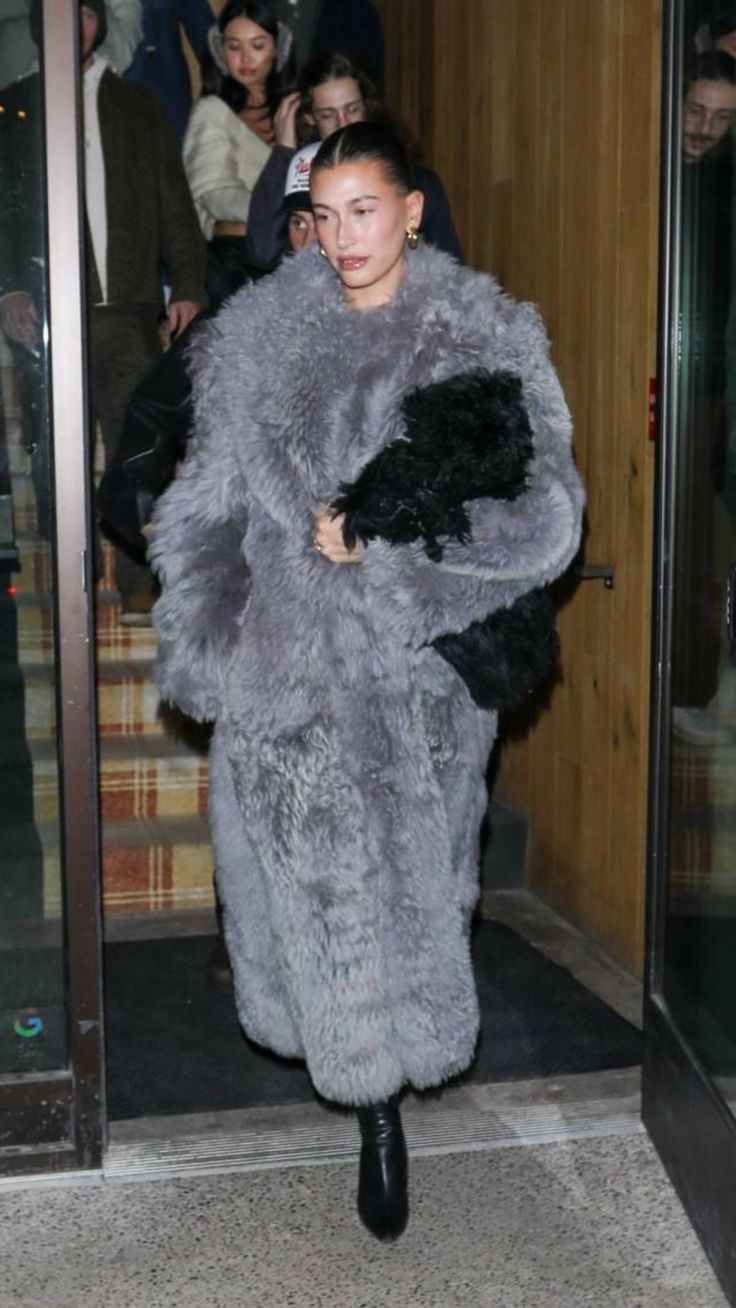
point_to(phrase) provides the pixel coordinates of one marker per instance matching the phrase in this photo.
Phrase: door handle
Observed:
(731, 604)
(604, 572)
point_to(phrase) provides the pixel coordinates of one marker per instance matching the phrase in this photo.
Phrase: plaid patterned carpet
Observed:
(702, 837)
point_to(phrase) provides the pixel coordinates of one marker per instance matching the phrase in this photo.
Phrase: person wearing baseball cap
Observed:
(297, 205)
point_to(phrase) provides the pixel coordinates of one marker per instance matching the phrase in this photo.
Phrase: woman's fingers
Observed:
(285, 121)
(328, 539)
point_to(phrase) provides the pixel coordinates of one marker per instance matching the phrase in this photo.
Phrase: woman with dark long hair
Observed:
(379, 481)
(247, 70)
(334, 92)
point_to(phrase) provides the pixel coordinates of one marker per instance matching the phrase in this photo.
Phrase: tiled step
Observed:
(140, 776)
(113, 641)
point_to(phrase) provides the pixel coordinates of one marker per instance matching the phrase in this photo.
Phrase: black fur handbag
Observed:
(468, 437)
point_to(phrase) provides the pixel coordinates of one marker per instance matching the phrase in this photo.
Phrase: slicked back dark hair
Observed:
(369, 142)
(278, 84)
(712, 66)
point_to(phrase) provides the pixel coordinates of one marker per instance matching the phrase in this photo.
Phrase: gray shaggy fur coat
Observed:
(347, 764)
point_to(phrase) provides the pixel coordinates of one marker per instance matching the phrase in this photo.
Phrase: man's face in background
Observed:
(709, 113)
(87, 31)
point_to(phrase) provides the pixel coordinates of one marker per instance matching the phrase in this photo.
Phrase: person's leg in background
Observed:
(124, 346)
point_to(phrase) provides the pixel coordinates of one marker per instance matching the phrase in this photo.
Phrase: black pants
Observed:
(228, 268)
(124, 345)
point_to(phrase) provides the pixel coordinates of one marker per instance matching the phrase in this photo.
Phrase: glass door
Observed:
(50, 1031)
(690, 1022)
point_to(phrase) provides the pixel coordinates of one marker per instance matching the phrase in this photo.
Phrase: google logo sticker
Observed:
(28, 1024)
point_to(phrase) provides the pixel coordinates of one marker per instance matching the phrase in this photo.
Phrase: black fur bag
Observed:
(503, 658)
(468, 437)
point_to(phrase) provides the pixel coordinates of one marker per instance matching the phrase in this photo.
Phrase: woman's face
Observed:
(362, 218)
(249, 52)
(335, 104)
(301, 229)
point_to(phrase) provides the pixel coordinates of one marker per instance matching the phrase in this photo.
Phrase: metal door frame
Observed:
(58, 1117)
(690, 1125)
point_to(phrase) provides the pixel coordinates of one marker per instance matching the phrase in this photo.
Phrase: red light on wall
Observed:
(11, 590)
(652, 408)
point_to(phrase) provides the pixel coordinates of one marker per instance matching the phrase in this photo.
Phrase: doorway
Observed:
(155, 849)
(690, 1056)
(51, 1091)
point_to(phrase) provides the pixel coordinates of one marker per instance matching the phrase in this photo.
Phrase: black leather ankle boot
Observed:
(383, 1201)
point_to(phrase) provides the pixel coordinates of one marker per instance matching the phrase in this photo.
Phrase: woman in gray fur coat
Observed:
(347, 765)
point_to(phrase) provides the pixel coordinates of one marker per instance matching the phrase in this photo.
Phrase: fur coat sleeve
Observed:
(514, 546)
(198, 555)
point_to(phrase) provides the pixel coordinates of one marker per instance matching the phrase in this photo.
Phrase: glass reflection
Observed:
(32, 1017)
(700, 940)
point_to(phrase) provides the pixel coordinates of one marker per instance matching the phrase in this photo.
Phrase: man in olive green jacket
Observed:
(140, 216)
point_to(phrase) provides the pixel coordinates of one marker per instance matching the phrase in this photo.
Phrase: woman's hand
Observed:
(328, 539)
(284, 120)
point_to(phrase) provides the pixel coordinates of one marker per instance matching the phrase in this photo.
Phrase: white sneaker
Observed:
(697, 727)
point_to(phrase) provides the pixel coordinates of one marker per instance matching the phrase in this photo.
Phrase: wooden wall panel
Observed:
(544, 126)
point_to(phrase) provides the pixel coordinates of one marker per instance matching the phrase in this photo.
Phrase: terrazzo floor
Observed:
(587, 1224)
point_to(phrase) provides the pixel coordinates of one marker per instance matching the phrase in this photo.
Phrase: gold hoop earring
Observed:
(412, 237)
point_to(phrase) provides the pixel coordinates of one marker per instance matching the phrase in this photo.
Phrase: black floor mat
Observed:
(174, 1045)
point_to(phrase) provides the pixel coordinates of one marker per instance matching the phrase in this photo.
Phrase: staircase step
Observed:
(504, 851)
(156, 863)
(702, 836)
(39, 702)
(147, 864)
(113, 641)
(35, 573)
(127, 701)
(24, 504)
(140, 776)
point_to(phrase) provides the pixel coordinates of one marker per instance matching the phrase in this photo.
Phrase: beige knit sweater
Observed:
(222, 160)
